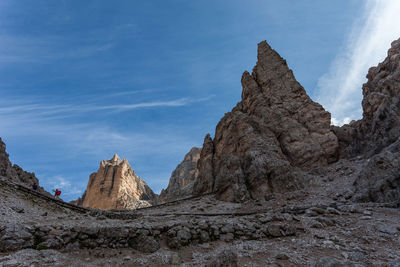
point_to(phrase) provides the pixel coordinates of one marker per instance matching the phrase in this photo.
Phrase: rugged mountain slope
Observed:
(182, 178)
(116, 186)
(14, 172)
(265, 142)
(376, 135)
(380, 125)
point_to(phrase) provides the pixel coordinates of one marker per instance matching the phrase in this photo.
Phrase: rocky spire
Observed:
(116, 186)
(182, 178)
(262, 145)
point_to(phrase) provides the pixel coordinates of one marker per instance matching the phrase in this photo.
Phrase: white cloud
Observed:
(45, 111)
(339, 90)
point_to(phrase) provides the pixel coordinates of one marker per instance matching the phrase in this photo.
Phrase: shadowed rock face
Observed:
(14, 172)
(379, 179)
(272, 135)
(116, 186)
(380, 125)
(376, 135)
(182, 178)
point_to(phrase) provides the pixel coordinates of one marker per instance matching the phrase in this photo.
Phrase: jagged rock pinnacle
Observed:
(116, 186)
(261, 146)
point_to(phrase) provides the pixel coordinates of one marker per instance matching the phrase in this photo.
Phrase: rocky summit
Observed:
(116, 186)
(276, 186)
(182, 178)
(267, 141)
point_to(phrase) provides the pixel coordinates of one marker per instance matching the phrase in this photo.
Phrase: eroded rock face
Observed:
(379, 180)
(182, 178)
(116, 186)
(380, 125)
(14, 172)
(265, 142)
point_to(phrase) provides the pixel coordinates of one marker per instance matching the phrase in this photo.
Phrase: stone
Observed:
(143, 243)
(282, 256)
(175, 259)
(228, 228)
(263, 145)
(227, 237)
(184, 236)
(227, 258)
(15, 236)
(204, 236)
(274, 230)
(356, 256)
(387, 229)
(116, 186)
(182, 178)
(328, 262)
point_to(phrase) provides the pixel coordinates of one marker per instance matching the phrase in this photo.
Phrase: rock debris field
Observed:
(321, 227)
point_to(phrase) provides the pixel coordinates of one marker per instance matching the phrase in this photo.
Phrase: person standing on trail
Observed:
(34, 186)
(57, 193)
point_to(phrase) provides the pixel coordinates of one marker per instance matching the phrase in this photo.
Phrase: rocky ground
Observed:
(317, 226)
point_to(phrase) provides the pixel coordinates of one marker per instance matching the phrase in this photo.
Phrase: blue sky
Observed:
(82, 80)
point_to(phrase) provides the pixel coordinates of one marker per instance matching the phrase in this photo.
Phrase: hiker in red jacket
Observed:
(57, 193)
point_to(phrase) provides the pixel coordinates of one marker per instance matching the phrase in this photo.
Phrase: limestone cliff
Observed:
(116, 186)
(271, 136)
(14, 172)
(182, 178)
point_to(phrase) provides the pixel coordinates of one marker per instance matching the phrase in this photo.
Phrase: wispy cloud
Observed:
(43, 111)
(339, 90)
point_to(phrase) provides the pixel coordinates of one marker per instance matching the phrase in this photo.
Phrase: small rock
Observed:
(356, 256)
(387, 229)
(227, 237)
(175, 259)
(204, 236)
(127, 258)
(282, 256)
(274, 230)
(147, 244)
(333, 211)
(366, 218)
(328, 262)
(18, 209)
(367, 212)
(227, 258)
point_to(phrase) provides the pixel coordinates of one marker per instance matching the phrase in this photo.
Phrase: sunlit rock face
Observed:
(380, 125)
(116, 186)
(271, 136)
(182, 178)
